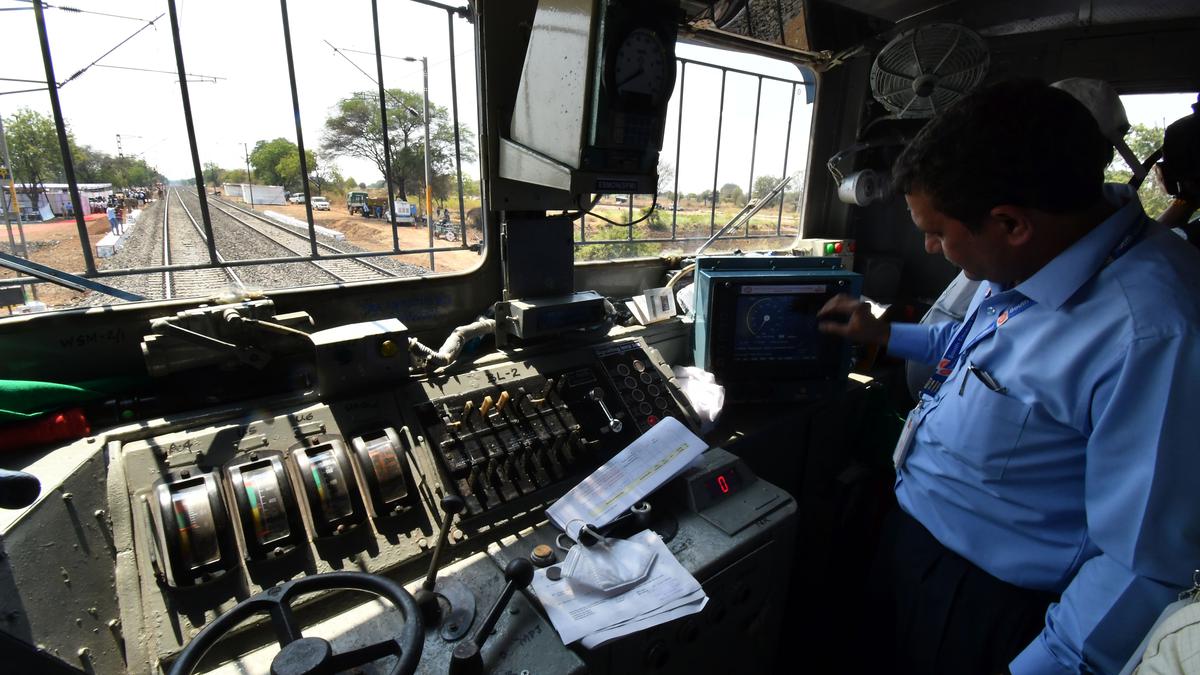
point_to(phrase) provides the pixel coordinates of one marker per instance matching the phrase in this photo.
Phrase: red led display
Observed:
(722, 484)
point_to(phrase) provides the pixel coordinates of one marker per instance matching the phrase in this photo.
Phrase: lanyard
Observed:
(945, 365)
(959, 344)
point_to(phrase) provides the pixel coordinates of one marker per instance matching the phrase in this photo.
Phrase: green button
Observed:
(829, 249)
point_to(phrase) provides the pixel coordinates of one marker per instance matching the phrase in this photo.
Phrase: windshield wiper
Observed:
(55, 276)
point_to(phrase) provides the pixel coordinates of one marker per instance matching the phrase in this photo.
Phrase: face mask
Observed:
(609, 567)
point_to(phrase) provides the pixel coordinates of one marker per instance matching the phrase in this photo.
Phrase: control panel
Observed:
(508, 438)
(232, 504)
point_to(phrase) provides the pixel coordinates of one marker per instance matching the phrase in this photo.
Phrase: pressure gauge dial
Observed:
(266, 506)
(641, 67)
(384, 470)
(329, 487)
(192, 528)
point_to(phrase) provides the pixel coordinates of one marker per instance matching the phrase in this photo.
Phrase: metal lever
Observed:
(466, 659)
(426, 599)
(597, 395)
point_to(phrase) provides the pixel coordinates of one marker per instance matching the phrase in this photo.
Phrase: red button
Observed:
(837, 248)
(852, 247)
(652, 420)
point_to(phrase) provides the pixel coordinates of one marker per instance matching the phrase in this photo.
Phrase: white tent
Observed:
(263, 194)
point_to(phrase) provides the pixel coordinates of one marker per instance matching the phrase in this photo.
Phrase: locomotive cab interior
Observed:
(355, 474)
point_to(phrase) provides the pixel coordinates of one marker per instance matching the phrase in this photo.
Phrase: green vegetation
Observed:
(1143, 140)
(36, 159)
(354, 130)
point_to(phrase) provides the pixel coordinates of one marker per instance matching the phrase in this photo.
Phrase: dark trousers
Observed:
(935, 612)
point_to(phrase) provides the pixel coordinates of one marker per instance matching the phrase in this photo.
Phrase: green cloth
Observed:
(26, 399)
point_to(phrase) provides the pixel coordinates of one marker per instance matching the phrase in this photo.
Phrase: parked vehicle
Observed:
(320, 203)
(296, 198)
(355, 202)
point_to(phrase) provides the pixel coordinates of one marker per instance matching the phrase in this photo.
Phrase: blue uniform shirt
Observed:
(1082, 474)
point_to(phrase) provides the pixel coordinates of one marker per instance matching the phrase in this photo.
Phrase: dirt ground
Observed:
(374, 234)
(55, 243)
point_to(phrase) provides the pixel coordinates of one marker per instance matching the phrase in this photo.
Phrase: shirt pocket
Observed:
(985, 438)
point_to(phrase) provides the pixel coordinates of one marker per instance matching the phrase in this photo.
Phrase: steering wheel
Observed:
(311, 655)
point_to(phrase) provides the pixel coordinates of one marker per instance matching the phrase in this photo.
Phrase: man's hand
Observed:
(858, 325)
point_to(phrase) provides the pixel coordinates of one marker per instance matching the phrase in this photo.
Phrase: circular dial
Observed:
(641, 65)
(760, 314)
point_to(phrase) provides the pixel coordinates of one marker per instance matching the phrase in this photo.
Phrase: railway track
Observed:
(183, 243)
(341, 270)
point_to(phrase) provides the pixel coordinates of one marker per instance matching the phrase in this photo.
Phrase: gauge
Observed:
(764, 317)
(267, 510)
(192, 526)
(384, 470)
(196, 528)
(642, 67)
(329, 486)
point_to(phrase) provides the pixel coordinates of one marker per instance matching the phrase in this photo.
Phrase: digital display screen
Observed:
(267, 508)
(197, 529)
(778, 323)
(724, 483)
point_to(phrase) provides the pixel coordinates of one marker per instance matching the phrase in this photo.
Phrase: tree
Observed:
(470, 186)
(33, 148)
(763, 185)
(732, 193)
(706, 196)
(351, 183)
(233, 176)
(666, 176)
(277, 162)
(212, 173)
(1143, 141)
(355, 130)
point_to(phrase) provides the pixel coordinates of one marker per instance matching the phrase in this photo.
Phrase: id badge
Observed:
(904, 444)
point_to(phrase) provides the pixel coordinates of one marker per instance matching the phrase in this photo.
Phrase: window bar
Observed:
(191, 130)
(630, 221)
(462, 218)
(387, 146)
(287, 45)
(583, 227)
(64, 146)
(712, 216)
(787, 145)
(678, 137)
(753, 151)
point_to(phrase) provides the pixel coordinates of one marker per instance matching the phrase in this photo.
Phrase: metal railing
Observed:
(215, 261)
(683, 63)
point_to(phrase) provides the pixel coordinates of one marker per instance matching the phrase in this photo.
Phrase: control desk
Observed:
(232, 504)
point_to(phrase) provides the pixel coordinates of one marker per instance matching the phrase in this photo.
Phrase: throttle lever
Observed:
(467, 659)
(597, 395)
(426, 599)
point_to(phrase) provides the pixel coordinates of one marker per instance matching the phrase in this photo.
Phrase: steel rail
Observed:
(231, 274)
(320, 245)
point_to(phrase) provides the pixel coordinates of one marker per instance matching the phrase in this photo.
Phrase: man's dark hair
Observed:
(1019, 142)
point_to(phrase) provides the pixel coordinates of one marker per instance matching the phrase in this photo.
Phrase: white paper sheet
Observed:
(641, 468)
(576, 614)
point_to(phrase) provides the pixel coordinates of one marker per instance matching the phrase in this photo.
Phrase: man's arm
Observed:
(915, 342)
(1143, 511)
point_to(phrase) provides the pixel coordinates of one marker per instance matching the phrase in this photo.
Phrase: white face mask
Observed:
(610, 566)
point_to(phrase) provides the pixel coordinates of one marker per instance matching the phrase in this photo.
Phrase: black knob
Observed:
(519, 571)
(452, 505)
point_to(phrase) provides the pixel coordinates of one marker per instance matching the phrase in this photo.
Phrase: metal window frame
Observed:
(805, 81)
(91, 271)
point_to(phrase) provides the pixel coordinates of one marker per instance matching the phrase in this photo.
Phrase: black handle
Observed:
(466, 659)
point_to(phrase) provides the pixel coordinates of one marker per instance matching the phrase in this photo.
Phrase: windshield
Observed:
(394, 201)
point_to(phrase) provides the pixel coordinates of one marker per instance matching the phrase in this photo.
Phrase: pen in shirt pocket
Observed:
(985, 377)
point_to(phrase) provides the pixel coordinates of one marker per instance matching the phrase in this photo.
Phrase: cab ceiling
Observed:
(1004, 17)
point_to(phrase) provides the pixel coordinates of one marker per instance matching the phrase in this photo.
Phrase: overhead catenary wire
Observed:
(76, 10)
(120, 44)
